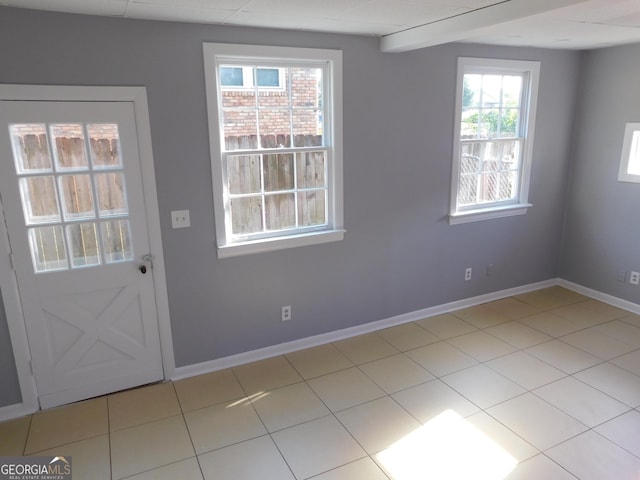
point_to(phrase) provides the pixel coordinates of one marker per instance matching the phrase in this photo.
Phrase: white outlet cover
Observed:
(180, 219)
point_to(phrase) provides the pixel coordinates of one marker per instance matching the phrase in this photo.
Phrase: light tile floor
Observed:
(547, 382)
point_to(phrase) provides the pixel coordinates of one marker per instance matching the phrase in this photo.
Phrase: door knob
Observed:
(143, 269)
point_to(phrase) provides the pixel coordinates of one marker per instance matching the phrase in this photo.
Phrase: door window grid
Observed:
(74, 202)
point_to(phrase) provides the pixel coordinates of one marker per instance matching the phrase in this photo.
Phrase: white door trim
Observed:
(17, 327)
(8, 285)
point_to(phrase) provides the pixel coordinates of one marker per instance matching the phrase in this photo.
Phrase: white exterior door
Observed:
(72, 196)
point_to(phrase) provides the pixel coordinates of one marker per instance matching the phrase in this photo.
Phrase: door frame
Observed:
(8, 283)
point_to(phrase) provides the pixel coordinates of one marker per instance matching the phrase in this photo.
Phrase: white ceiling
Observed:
(401, 24)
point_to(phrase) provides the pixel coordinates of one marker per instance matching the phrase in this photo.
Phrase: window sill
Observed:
(279, 243)
(488, 213)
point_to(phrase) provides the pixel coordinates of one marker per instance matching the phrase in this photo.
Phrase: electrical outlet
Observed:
(286, 313)
(634, 278)
(467, 274)
(489, 269)
(180, 219)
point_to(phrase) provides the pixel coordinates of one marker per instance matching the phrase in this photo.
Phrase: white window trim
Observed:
(216, 52)
(631, 129)
(520, 204)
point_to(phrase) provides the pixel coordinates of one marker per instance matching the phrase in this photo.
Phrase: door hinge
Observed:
(33, 373)
(12, 261)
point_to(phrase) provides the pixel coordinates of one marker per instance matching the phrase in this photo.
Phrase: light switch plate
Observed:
(180, 219)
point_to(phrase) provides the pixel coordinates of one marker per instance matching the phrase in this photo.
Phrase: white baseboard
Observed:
(21, 409)
(603, 297)
(314, 341)
(14, 411)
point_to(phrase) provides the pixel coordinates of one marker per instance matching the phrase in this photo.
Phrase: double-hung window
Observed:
(493, 139)
(275, 124)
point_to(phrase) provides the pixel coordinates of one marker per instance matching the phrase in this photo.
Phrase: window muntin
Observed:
(278, 147)
(494, 130)
(239, 77)
(630, 159)
(273, 192)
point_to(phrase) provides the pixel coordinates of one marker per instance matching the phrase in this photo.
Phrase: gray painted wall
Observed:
(602, 229)
(399, 255)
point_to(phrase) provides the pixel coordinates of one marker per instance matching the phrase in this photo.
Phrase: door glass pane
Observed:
(111, 194)
(47, 248)
(116, 239)
(39, 200)
(77, 197)
(30, 148)
(83, 243)
(280, 211)
(104, 141)
(70, 152)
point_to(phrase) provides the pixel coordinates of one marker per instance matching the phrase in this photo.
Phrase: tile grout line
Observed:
(186, 425)
(109, 438)
(26, 438)
(273, 440)
(485, 363)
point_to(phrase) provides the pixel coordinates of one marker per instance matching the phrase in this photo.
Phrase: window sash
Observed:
(500, 170)
(324, 109)
(479, 207)
(225, 153)
(262, 193)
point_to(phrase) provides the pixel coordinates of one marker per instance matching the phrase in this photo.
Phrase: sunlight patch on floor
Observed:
(248, 400)
(447, 448)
